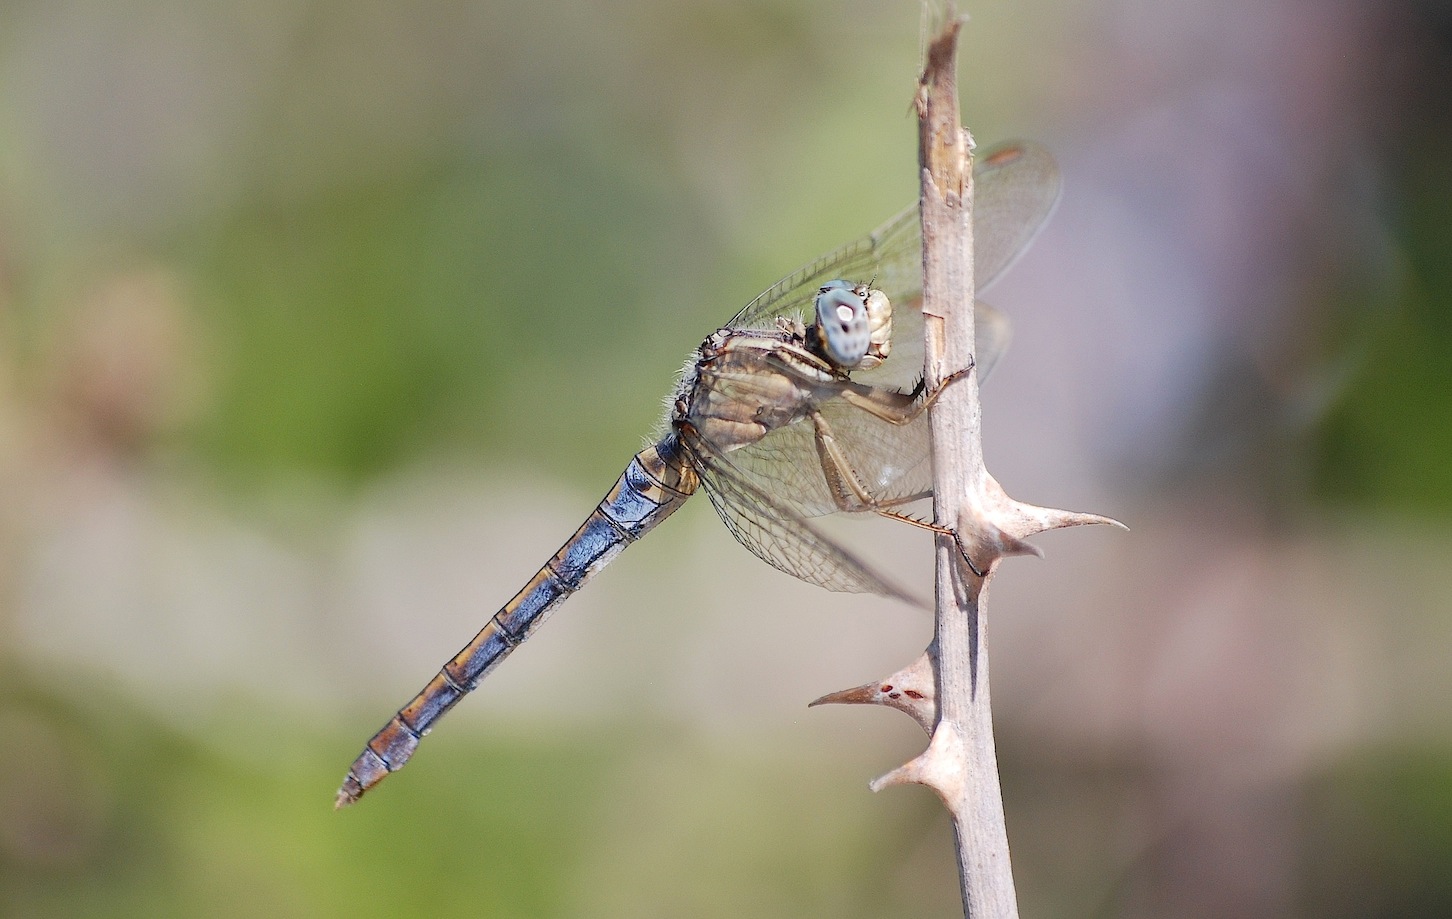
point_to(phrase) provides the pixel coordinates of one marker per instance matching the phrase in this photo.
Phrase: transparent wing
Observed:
(776, 533)
(992, 333)
(892, 462)
(890, 257)
(1015, 188)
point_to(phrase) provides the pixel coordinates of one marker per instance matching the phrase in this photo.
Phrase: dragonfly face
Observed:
(842, 327)
(808, 402)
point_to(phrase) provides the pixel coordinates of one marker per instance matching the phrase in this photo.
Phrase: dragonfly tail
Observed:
(392, 746)
(654, 484)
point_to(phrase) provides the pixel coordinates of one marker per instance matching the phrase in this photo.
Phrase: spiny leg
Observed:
(936, 528)
(851, 495)
(900, 408)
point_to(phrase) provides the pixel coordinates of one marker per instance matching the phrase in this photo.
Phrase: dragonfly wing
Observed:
(891, 254)
(1015, 189)
(779, 535)
(893, 462)
(784, 463)
(992, 333)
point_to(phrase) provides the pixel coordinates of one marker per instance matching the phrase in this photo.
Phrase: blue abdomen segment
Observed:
(652, 487)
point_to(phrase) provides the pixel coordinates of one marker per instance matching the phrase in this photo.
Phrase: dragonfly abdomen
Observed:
(656, 482)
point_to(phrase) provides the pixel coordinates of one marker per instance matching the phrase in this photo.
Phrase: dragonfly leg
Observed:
(851, 495)
(900, 408)
(936, 528)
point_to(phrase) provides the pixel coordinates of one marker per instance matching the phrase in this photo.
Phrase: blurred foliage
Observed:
(1386, 444)
(401, 241)
(396, 316)
(1382, 825)
(111, 813)
(108, 812)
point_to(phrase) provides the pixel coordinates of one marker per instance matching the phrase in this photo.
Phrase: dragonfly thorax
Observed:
(747, 383)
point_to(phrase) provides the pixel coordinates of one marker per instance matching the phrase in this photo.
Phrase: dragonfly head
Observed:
(853, 325)
(843, 328)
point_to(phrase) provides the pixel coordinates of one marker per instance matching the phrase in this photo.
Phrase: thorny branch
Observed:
(946, 691)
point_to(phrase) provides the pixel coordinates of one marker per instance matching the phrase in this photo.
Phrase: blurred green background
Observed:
(323, 324)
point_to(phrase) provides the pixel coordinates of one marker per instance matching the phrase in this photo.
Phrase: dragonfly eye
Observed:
(843, 325)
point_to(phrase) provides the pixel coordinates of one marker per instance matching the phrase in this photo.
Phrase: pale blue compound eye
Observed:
(842, 324)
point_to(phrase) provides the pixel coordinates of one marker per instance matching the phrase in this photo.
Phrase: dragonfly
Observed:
(809, 402)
